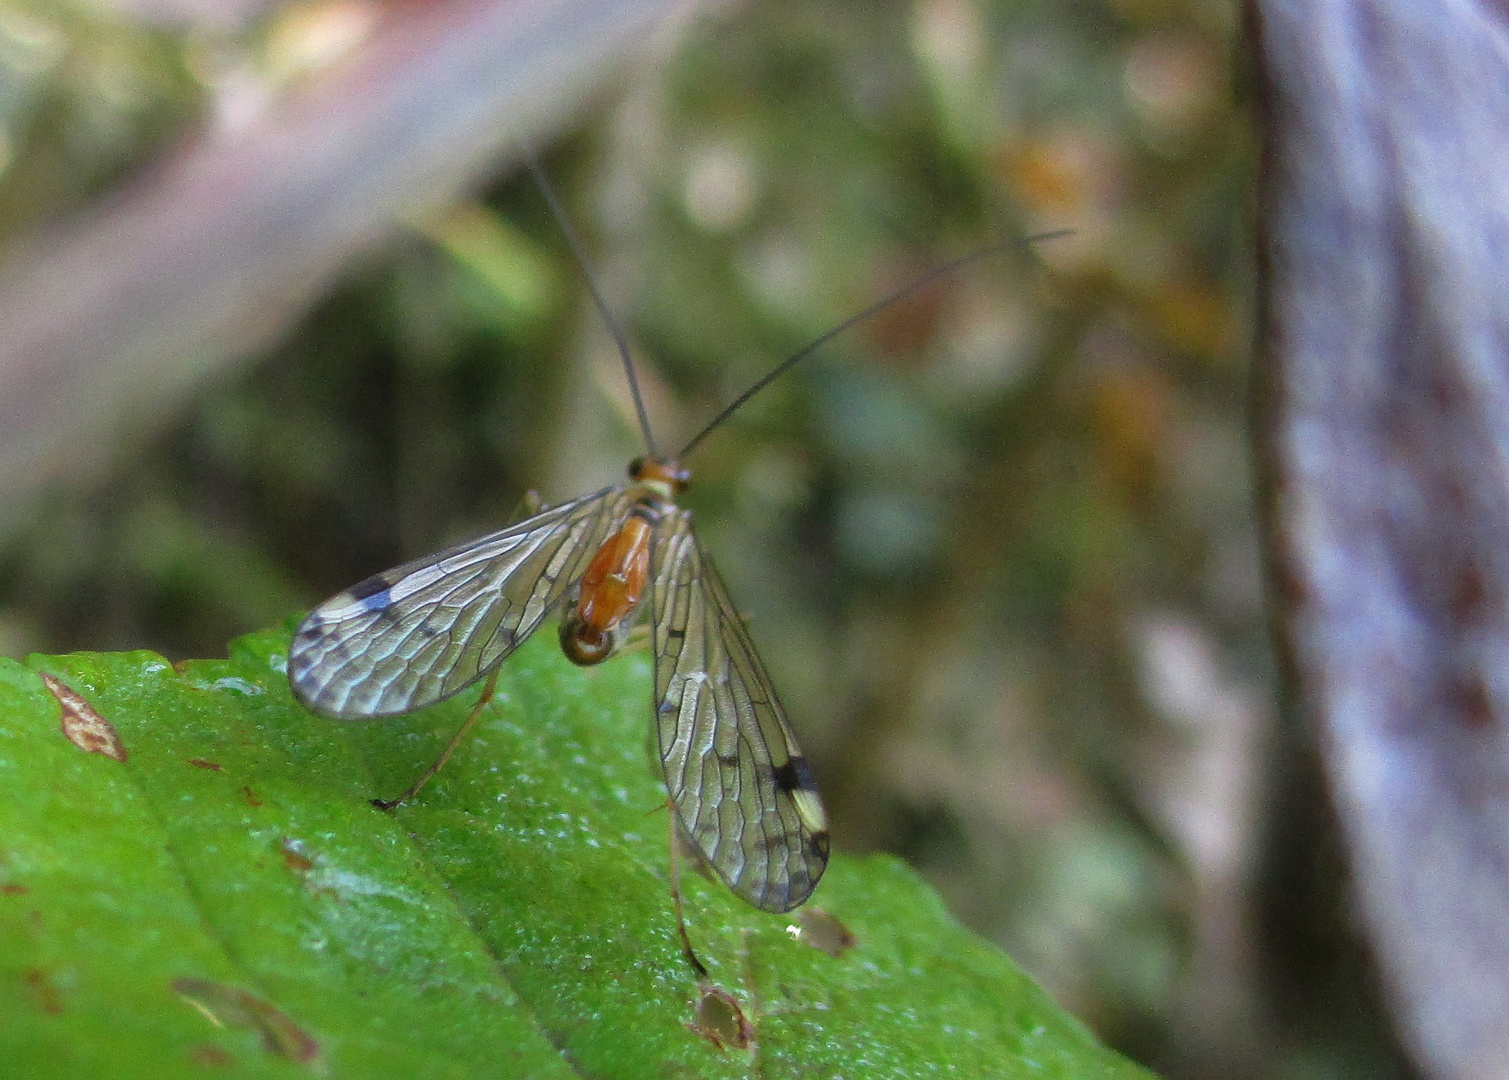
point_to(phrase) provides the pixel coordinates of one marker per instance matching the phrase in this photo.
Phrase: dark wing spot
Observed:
(430, 628)
(795, 775)
(372, 594)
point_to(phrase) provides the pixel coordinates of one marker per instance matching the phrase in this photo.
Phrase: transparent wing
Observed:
(421, 632)
(739, 782)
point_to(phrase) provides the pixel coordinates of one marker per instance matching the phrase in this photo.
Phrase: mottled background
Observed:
(997, 544)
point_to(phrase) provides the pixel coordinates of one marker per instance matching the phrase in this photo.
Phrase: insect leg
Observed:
(675, 845)
(450, 747)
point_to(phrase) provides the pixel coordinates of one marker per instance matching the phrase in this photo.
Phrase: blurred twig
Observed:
(1387, 351)
(109, 320)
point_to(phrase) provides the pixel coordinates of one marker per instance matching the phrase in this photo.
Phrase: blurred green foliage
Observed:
(996, 542)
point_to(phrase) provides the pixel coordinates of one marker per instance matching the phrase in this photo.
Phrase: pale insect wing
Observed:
(740, 785)
(425, 630)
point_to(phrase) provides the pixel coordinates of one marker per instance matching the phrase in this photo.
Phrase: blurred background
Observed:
(997, 543)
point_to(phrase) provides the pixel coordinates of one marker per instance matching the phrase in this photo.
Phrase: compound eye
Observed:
(636, 468)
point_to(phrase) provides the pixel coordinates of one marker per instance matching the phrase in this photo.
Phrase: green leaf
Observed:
(227, 902)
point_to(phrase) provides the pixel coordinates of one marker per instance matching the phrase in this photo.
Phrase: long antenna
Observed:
(597, 297)
(812, 346)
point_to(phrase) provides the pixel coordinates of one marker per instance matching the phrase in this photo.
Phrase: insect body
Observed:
(608, 596)
(417, 634)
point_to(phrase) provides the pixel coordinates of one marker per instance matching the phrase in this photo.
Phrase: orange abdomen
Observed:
(613, 584)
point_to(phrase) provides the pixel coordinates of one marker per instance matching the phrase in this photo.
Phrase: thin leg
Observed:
(450, 747)
(686, 942)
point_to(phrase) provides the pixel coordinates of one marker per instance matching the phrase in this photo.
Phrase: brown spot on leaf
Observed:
(12, 889)
(824, 932)
(230, 1005)
(297, 861)
(720, 1020)
(41, 984)
(251, 799)
(201, 763)
(84, 727)
(210, 1055)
